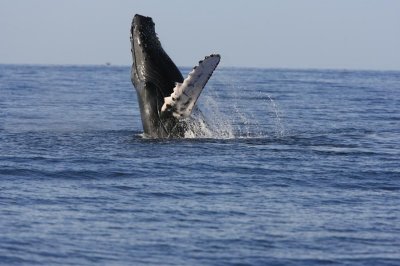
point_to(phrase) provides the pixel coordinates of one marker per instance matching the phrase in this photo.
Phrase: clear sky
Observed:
(350, 34)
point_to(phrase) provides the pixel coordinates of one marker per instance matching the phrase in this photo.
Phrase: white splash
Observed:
(262, 120)
(210, 123)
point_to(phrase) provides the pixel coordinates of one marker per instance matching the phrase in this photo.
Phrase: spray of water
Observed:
(279, 128)
(236, 117)
(210, 122)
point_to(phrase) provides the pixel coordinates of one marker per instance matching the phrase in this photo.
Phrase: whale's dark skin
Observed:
(153, 75)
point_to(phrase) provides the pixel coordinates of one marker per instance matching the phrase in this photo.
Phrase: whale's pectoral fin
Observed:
(185, 95)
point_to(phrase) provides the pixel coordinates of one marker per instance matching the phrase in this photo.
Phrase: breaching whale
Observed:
(166, 100)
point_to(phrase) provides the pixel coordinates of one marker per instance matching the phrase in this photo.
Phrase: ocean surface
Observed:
(294, 167)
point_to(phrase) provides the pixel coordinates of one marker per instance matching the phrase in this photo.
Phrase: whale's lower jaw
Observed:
(165, 106)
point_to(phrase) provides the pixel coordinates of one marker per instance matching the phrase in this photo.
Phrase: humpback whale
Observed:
(166, 100)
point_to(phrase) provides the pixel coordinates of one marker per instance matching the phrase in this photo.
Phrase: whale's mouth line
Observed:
(133, 50)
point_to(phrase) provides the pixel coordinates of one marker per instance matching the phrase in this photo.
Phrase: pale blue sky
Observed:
(350, 34)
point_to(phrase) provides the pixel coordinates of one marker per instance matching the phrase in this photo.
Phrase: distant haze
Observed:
(345, 34)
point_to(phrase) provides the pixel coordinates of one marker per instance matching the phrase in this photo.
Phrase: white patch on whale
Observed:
(185, 94)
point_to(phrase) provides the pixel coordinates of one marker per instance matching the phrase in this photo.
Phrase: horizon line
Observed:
(108, 64)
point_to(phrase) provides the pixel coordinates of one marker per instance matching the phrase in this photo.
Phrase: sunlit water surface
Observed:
(292, 168)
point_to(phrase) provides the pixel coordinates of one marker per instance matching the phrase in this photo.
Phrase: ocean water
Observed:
(295, 167)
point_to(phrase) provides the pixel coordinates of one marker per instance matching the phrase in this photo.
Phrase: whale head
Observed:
(150, 59)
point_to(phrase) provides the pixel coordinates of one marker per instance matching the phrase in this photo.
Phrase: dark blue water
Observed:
(294, 168)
